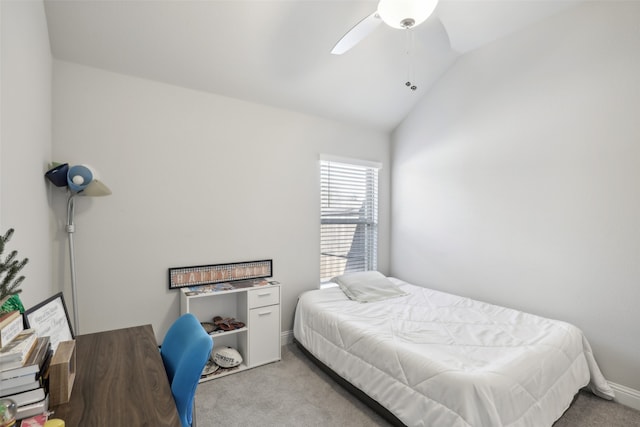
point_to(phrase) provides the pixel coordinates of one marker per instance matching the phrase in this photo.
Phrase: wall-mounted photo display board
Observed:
(50, 318)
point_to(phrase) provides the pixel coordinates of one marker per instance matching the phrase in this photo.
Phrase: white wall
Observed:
(25, 142)
(515, 180)
(196, 179)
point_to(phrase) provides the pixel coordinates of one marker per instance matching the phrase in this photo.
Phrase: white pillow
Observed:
(367, 286)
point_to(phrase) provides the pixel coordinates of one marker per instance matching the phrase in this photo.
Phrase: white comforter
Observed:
(435, 359)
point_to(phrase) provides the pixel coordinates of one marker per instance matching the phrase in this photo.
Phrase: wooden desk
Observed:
(120, 381)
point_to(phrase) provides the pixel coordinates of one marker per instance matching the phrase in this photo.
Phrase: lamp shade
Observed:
(58, 175)
(79, 177)
(405, 13)
(96, 188)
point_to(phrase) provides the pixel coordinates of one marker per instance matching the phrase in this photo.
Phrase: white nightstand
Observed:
(258, 307)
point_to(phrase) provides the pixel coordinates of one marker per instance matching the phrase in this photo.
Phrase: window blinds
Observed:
(348, 218)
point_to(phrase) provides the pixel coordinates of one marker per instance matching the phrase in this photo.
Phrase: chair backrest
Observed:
(185, 351)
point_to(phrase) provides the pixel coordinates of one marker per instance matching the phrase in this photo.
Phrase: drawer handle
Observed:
(264, 294)
(265, 313)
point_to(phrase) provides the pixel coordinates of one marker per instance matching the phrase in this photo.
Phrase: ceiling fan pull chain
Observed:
(410, 71)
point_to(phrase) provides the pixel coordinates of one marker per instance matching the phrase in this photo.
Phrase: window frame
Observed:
(363, 177)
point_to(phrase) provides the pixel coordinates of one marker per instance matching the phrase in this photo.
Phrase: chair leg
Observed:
(193, 413)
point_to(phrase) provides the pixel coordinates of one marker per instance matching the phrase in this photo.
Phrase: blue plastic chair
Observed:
(185, 351)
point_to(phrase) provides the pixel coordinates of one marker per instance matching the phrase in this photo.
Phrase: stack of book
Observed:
(24, 361)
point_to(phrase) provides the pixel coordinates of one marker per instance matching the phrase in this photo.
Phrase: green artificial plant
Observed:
(9, 269)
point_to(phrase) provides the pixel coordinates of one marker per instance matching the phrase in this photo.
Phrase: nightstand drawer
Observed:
(268, 295)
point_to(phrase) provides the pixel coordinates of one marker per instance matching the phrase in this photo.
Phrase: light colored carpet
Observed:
(295, 392)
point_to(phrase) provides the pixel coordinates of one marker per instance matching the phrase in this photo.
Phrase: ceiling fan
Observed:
(401, 14)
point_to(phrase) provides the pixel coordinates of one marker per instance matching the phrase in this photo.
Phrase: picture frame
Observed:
(50, 318)
(181, 277)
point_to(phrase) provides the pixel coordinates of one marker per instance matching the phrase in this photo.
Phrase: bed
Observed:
(436, 359)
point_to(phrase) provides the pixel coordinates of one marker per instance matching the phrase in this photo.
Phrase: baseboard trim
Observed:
(286, 337)
(626, 396)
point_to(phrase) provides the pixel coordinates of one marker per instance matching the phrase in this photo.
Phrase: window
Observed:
(348, 217)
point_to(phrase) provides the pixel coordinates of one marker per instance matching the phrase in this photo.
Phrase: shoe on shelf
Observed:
(228, 323)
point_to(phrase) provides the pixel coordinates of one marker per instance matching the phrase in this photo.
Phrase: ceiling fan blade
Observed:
(361, 30)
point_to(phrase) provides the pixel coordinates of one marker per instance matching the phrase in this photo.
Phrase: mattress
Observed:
(436, 359)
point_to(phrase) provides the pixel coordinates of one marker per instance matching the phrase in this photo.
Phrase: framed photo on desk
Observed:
(50, 318)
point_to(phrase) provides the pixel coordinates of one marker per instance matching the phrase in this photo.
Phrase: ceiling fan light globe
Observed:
(403, 14)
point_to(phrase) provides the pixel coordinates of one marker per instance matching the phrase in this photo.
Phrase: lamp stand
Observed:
(71, 228)
(78, 179)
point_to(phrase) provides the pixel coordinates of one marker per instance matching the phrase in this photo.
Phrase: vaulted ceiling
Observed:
(277, 52)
